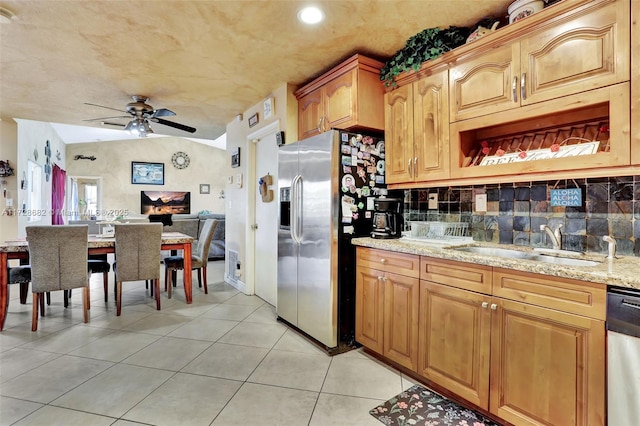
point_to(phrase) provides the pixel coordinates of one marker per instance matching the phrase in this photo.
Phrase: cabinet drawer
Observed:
(389, 261)
(564, 294)
(456, 274)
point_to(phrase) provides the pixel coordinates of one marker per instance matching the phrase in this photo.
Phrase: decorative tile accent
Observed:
(515, 212)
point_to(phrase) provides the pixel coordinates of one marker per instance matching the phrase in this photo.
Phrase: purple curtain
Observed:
(58, 182)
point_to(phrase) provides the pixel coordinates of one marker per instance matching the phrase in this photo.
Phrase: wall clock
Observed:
(180, 160)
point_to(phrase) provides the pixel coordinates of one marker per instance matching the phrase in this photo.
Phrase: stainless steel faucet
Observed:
(612, 246)
(555, 236)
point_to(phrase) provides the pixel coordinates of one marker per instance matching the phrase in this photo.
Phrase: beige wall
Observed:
(9, 151)
(208, 165)
(239, 205)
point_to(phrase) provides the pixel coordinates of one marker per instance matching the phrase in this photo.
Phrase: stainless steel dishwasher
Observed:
(623, 357)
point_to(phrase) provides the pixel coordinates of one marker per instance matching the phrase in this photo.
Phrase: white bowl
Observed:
(520, 9)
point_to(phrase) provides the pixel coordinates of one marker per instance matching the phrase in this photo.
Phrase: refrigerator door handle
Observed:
(293, 214)
(299, 223)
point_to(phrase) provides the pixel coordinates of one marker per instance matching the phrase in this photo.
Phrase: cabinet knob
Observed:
(409, 167)
(380, 278)
(514, 89)
(383, 260)
(523, 92)
(494, 306)
(485, 305)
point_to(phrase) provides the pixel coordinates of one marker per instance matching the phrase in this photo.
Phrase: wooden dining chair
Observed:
(58, 256)
(137, 256)
(199, 258)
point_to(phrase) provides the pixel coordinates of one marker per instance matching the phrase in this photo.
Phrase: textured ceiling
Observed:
(206, 60)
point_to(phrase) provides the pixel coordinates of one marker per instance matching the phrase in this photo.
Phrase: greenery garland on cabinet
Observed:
(428, 44)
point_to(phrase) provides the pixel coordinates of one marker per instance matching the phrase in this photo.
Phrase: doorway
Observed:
(265, 221)
(84, 198)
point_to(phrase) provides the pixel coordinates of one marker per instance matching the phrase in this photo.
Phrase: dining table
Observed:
(97, 244)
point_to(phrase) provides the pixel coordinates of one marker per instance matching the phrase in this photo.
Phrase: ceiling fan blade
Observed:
(162, 112)
(175, 125)
(107, 118)
(102, 106)
(107, 123)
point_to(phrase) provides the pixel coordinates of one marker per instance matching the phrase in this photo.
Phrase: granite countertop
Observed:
(623, 271)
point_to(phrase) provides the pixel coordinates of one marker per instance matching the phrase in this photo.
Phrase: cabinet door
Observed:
(369, 308)
(485, 84)
(431, 127)
(309, 114)
(401, 319)
(587, 52)
(547, 366)
(455, 328)
(398, 118)
(340, 101)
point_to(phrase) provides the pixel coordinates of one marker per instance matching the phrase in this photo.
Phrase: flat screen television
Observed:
(165, 202)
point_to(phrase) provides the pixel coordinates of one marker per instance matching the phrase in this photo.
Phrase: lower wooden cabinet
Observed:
(547, 366)
(532, 363)
(455, 327)
(387, 307)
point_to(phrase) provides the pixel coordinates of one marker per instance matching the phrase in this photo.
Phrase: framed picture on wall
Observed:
(147, 173)
(235, 157)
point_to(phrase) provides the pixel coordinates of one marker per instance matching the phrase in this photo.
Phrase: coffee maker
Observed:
(387, 218)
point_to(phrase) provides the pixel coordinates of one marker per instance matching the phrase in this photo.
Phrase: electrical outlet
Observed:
(433, 202)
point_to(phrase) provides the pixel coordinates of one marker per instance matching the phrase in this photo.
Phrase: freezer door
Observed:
(317, 273)
(288, 249)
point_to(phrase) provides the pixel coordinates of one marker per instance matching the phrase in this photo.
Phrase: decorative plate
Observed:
(180, 160)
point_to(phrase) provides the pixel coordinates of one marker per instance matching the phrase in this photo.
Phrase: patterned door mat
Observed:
(421, 406)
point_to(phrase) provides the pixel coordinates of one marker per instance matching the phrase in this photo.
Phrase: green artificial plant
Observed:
(426, 45)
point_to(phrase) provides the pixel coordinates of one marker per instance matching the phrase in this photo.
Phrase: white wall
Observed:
(239, 213)
(32, 139)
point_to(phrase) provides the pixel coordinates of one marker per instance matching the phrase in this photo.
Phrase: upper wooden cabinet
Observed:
(349, 96)
(583, 51)
(417, 130)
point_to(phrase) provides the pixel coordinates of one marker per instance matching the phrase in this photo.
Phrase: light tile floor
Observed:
(223, 360)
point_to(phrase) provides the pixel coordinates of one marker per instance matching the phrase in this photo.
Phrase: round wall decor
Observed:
(180, 160)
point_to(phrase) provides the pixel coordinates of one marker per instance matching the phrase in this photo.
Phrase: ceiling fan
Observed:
(141, 114)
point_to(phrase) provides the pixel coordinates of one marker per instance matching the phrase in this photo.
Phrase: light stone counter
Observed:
(624, 271)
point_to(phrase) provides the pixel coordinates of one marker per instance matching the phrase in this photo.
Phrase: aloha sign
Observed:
(556, 151)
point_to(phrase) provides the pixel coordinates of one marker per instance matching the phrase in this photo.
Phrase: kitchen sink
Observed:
(498, 252)
(567, 261)
(519, 254)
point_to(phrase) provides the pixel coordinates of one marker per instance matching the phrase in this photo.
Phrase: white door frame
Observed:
(250, 239)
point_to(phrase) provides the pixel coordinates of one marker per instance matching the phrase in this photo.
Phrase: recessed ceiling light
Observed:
(6, 16)
(310, 15)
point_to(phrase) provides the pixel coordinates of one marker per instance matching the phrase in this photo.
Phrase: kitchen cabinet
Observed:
(586, 50)
(417, 130)
(454, 340)
(526, 347)
(348, 97)
(600, 115)
(387, 304)
(547, 366)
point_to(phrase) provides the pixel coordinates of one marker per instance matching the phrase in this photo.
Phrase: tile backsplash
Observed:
(515, 211)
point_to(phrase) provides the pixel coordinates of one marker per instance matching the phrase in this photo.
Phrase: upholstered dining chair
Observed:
(199, 258)
(137, 256)
(58, 257)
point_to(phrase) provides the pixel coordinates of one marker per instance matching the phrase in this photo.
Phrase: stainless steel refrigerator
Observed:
(327, 184)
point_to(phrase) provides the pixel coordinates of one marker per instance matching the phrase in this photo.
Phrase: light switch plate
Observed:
(433, 202)
(481, 202)
(239, 180)
(230, 179)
